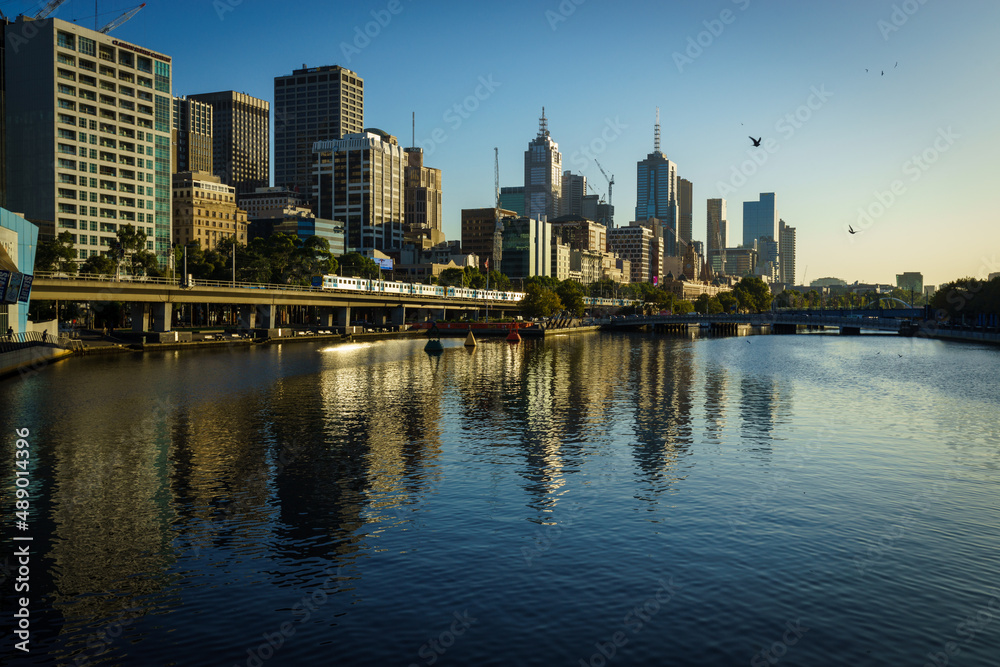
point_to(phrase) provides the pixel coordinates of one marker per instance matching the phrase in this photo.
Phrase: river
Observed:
(620, 499)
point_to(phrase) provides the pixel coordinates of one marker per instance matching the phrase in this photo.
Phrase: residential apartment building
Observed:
(241, 139)
(786, 252)
(634, 244)
(542, 175)
(313, 104)
(361, 181)
(685, 213)
(192, 136)
(205, 211)
(88, 135)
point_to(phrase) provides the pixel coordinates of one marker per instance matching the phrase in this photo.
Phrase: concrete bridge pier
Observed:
(343, 316)
(265, 317)
(777, 328)
(399, 316)
(850, 331)
(248, 317)
(326, 317)
(162, 315)
(140, 317)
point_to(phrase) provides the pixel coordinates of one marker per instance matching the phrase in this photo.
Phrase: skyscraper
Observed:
(685, 212)
(88, 135)
(656, 189)
(786, 253)
(760, 219)
(482, 234)
(241, 137)
(361, 182)
(192, 136)
(312, 104)
(422, 198)
(512, 199)
(574, 187)
(542, 174)
(717, 229)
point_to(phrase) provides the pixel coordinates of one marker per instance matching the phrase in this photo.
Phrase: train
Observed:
(330, 282)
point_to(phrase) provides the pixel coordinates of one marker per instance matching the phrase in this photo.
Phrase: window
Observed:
(88, 95)
(144, 64)
(67, 149)
(66, 60)
(88, 46)
(88, 65)
(106, 52)
(67, 134)
(66, 74)
(66, 40)
(125, 58)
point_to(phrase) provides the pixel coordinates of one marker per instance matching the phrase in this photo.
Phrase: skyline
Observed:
(912, 146)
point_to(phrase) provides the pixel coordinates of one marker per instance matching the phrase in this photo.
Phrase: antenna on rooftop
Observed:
(543, 125)
(656, 132)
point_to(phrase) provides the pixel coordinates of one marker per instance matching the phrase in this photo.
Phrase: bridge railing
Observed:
(22, 340)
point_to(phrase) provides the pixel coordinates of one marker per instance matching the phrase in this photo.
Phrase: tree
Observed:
(57, 254)
(714, 306)
(540, 301)
(571, 294)
(728, 301)
(701, 303)
(128, 248)
(99, 264)
(452, 277)
(682, 307)
(752, 294)
(356, 264)
(499, 281)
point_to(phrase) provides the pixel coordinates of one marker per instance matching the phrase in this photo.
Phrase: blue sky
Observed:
(908, 158)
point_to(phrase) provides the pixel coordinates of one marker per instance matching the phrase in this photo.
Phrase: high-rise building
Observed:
(527, 248)
(656, 190)
(88, 135)
(482, 234)
(362, 182)
(512, 199)
(422, 198)
(542, 175)
(912, 281)
(634, 244)
(192, 136)
(717, 228)
(685, 211)
(760, 219)
(205, 211)
(786, 253)
(574, 187)
(241, 137)
(313, 104)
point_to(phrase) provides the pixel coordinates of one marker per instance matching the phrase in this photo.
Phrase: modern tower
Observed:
(717, 229)
(542, 175)
(192, 136)
(422, 198)
(786, 253)
(685, 211)
(241, 136)
(312, 104)
(361, 181)
(760, 219)
(88, 135)
(656, 189)
(574, 187)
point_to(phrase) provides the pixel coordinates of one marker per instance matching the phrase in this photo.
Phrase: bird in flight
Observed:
(756, 142)
(883, 72)
(851, 229)
(896, 65)
(866, 69)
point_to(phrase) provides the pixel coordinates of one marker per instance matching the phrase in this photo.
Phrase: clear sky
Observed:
(915, 148)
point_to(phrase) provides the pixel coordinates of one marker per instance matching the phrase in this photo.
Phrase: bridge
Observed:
(850, 322)
(260, 306)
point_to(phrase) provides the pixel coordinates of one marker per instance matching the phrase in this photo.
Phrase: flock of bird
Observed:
(756, 144)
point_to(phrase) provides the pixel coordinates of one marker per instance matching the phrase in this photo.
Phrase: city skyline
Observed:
(900, 155)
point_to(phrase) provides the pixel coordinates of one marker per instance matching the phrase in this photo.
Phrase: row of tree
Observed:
(968, 298)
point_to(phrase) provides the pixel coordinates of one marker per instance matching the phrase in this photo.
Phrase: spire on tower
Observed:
(543, 125)
(656, 132)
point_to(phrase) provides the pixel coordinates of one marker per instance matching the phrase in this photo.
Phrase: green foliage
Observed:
(967, 297)
(570, 293)
(128, 252)
(452, 278)
(727, 300)
(548, 282)
(682, 307)
(357, 265)
(56, 255)
(752, 294)
(539, 301)
(499, 282)
(99, 264)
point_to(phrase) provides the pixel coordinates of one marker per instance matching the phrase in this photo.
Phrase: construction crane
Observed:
(596, 192)
(121, 19)
(50, 7)
(611, 183)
